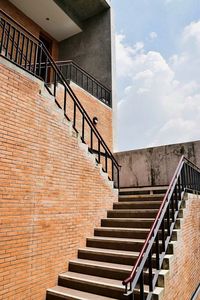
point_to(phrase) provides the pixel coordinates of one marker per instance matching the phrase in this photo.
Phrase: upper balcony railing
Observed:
(26, 51)
(73, 72)
(186, 178)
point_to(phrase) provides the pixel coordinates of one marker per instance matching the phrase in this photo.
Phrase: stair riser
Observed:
(56, 297)
(134, 198)
(130, 214)
(121, 234)
(130, 205)
(92, 288)
(108, 258)
(99, 271)
(116, 259)
(126, 224)
(129, 246)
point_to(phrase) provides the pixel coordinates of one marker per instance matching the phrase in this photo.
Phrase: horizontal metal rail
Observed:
(185, 178)
(73, 72)
(25, 50)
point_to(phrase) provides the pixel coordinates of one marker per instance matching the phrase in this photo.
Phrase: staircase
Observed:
(109, 255)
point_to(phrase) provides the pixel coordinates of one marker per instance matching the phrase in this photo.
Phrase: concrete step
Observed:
(115, 243)
(93, 284)
(127, 223)
(132, 213)
(121, 232)
(60, 293)
(115, 256)
(146, 190)
(137, 204)
(132, 198)
(108, 255)
(100, 269)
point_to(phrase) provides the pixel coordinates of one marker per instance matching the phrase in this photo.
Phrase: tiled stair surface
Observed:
(111, 253)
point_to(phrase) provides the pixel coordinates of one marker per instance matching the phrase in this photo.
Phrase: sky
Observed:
(158, 72)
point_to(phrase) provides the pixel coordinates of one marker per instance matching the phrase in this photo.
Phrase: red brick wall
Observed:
(184, 275)
(26, 22)
(96, 108)
(51, 194)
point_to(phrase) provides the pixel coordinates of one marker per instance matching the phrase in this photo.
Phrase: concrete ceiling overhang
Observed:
(81, 10)
(50, 17)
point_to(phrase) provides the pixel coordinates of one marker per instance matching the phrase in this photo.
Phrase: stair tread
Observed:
(102, 238)
(93, 279)
(101, 264)
(139, 202)
(134, 210)
(110, 251)
(76, 294)
(132, 219)
(123, 229)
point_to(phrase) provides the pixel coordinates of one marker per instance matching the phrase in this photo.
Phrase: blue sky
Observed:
(158, 77)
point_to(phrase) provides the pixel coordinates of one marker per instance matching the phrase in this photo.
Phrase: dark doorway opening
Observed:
(48, 44)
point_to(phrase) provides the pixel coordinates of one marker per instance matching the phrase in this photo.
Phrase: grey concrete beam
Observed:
(81, 10)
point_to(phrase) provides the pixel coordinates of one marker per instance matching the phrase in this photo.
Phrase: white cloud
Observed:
(160, 103)
(153, 35)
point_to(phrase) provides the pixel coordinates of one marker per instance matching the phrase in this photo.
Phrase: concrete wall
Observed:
(154, 166)
(91, 49)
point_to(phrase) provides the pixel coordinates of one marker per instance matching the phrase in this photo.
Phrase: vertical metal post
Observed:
(13, 43)
(2, 36)
(150, 271)
(141, 286)
(7, 42)
(83, 127)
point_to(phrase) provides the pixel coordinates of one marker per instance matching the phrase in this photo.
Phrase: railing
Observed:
(72, 71)
(26, 51)
(186, 178)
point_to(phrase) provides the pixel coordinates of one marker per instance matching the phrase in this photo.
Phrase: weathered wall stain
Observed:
(156, 165)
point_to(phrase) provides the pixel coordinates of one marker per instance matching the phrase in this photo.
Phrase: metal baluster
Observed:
(112, 171)
(150, 271)
(46, 70)
(83, 128)
(26, 57)
(30, 55)
(7, 42)
(55, 83)
(176, 194)
(35, 59)
(65, 101)
(2, 36)
(168, 220)
(157, 253)
(118, 184)
(17, 48)
(40, 59)
(13, 43)
(22, 50)
(74, 118)
(99, 151)
(163, 234)
(91, 138)
(106, 162)
(172, 206)
(141, 286)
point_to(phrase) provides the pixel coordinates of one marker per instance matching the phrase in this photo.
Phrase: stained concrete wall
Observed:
(91, 49)
(154, 166)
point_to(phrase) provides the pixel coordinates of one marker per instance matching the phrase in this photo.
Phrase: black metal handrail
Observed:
(73, 72)
(186, 178)
(25, 50)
